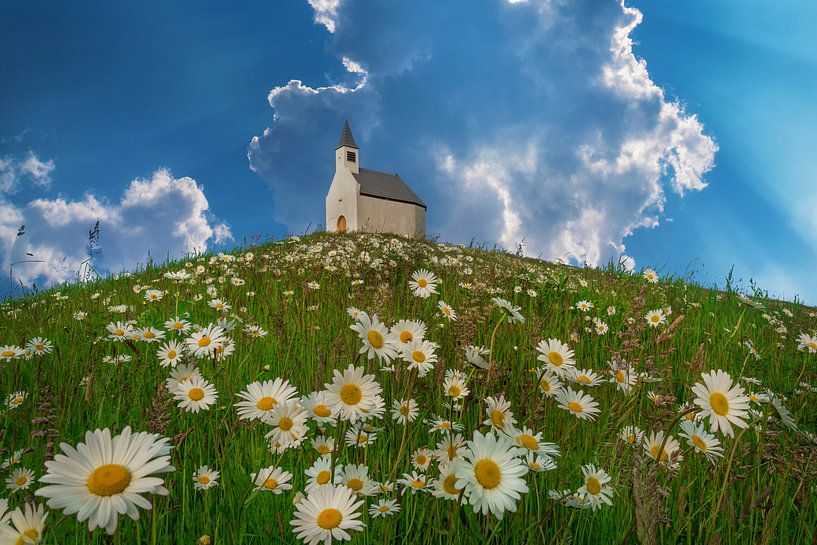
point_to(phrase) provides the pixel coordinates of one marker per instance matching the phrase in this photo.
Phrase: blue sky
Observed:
(682, 141)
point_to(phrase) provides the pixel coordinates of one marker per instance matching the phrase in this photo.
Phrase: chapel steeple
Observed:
(347, 154)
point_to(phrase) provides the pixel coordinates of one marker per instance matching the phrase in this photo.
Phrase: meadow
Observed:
(387, 390)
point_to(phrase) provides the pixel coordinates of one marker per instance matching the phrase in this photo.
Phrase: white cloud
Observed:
(39, 171)
(326, 12)
(161, 216)
(14, 170)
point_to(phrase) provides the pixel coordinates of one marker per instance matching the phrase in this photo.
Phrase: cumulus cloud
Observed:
(523, 122)
(14, 170)
(161, 217)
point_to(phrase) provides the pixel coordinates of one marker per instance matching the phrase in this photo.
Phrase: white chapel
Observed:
(360, 199)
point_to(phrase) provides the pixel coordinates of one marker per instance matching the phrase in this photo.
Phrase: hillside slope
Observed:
(580, 374)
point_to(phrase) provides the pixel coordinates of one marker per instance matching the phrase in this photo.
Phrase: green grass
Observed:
(760, 491)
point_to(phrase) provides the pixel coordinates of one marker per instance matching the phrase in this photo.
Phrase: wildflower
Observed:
(498, 410)
(327, 512)
(444, 486)
(631, 434)
(195, 394)
(652, 445)
(219, 305)
(357, 436)
(254, 331)
(170, 353)
(205, 342)
(320, 474)
(24, 527)
(476, 356)
(384, 508)
(414, 481)
(20, 479)
(324, 445)
(724, 403)
(15, 399)
(538, 463)
(105, 477)
(288, 421)
(514, 315)
(650, 276)
(532, 441)
(701, 440)
(272, 479)
(420, 355)
(180, 374)
(581, 405)
(623, 377)
(39, 346)
(585, 377)
(154, 295)
(421, 459)
(313, 285)
(404, 410)
(549, 382)
(807, 342)
(556, 355)
(205, 478)
(178, 325)
(423, 283)
(447, 311)
(655, 317)
(354, 477)
(449, 449)
(118, 331)
(315, 405)
(455, 388)
(584, 306)
(595, 488)
(351, 395)
(441, 424)
(375, 337)
(490, 474)
(260, 398)
(406, 331)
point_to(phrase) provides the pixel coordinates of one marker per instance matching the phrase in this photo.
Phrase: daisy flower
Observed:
(722, 401)
(320, 474)
(404, 410)
(375, 337)
(39, 346)
(455, 388)
(423, 283)
(288, 421)
(23, 527)
(272, 479)
(254, 331)
(601, 328)
(585, 377)
(450, 448)
(205, 478)
(631, 434)
(260, 398)
(532, 441)
(623, 377)
(117, 331)
(316, 407)
(420, 355)
(406, 331)
(154, 295)
(807, 342)
(584, 306)
(384, 508)
(16, 399)
(20, 479)
(514, 316)
(447, 311)
(219, 305)
(359, 436)
(580, 405)
(180, 374)
(195, 394)
(701, 440)
(650, 276)
(476, 356)
(655, 317)
(327, 513)
(441, 424)
(178, 325)
(421, 459)
(499, 413)
(652, 445)
(491, 475)
(355, 313)
(595, 488)
(12, 460)
(354, 477)
(538, 463)
(105, 477)
(414, 481)
(170, 354)
(549, 382)
(444, 486)
(205, 342)
(351, 395)
(556, 355)
(324, 445)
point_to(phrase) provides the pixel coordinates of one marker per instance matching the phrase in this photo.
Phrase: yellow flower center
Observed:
(452, 452)
(204, 342)
(39, 346)
(31, 533)
(584, 379)
(454, 391)
(178, 325)
(322, 411)
(654, 450)
(375, 338)
(556, 358)
(575, 407)
(266, 403)
(631, 438)
(196, 394)
(449, 485)
(528, 441)
(383, 508)
(17, 400)
(323, 450)
(620, 375)
(285, 423)
(545, 385)
(447, 311)
(329, 518)
(323, 477)
(362, 438)
(418, 356)
(270, 484)
(117, 332)
(404, 410)
(593, 485)
(487, 473)
(109, 480)
(355, 484)
(148, 334)
(812, 345)
(418, 483)
(171, 354)
(719, 403)
(204, 479)
(351, 393)
(21, 480)
(700, 443)
(421, 460)
(655, 318)
(498, 418)
(422, 282)
(406, 336)
(445, 425)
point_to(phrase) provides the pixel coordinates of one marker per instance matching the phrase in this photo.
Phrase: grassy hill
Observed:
(280, 311)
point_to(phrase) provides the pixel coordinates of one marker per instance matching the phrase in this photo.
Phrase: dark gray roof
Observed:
(386, 186)
(346, 138)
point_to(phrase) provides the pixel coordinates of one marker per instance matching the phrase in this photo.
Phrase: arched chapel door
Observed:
(341, 224)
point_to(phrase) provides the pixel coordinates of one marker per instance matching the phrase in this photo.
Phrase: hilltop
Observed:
(497, 349)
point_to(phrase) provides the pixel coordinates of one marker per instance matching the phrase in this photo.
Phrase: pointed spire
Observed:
(346, 138)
